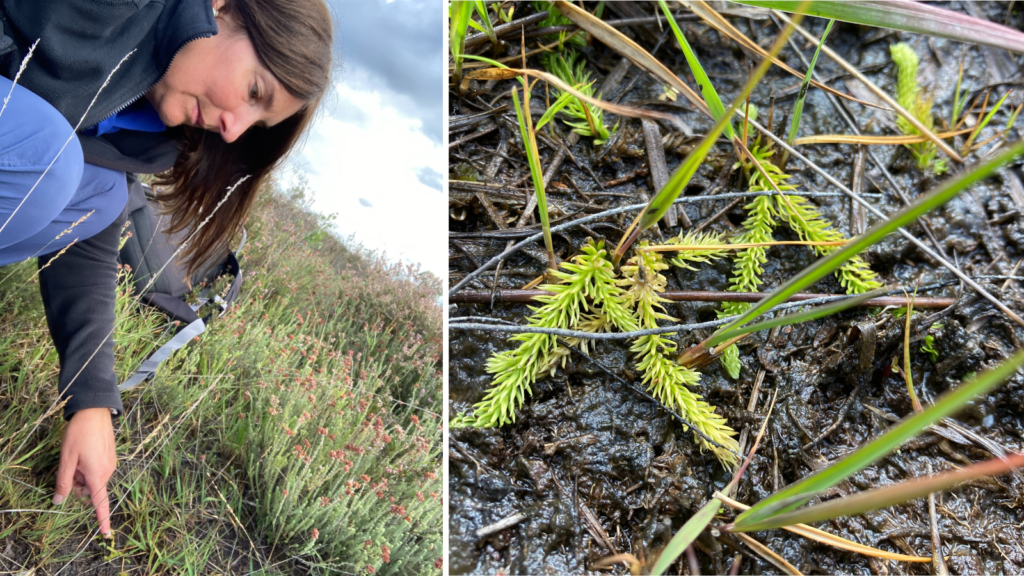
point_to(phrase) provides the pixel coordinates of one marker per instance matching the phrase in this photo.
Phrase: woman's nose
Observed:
(234, 124)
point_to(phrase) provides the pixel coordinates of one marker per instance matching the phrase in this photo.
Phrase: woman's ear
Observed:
(218, 4)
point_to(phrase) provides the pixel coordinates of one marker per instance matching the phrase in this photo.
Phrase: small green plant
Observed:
(588, 275)
(556, 18)
(843, 254)
(802, 217)
(984, 122)
(589, 119)
(959, 97)
(768, 512)
(763, 215)
(459, 16)
(1013, 118)
(660, 203)
(485, 22)
(929, 345)
(668, 381)
(908, 94)
(625, 304)
(504, 15)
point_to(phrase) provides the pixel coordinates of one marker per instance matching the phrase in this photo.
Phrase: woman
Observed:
(212, 91)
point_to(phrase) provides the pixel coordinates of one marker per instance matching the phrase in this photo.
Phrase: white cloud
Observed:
(367, 149)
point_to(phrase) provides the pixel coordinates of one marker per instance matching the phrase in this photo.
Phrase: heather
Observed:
(299, 435)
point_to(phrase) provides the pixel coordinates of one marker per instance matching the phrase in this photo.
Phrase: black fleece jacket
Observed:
(80, 42)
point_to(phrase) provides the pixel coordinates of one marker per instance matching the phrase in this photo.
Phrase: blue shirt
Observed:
(140, 116)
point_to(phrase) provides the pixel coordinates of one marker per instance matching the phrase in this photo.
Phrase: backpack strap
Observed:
(148, 368)
(179, 310)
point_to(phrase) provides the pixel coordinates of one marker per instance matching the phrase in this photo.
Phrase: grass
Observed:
(300, 434)
(484, 25)
(798, 107)
(529, 135)
(707, 89)
(459, 16)
(917, 18)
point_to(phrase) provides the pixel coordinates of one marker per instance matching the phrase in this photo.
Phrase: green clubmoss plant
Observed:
(908, 94)
(589, 119)
(666, 380)
(588, 275)
(763, 215)
(589, 297)
(697, 256)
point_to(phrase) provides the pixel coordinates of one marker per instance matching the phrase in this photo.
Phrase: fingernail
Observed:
(57, 499)
(107, 534)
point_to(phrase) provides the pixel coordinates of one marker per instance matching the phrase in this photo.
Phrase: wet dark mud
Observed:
(592, 468)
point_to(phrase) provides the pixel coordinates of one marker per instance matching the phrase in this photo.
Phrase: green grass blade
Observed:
(686, 535)
(888, 496)
(533, 157)
(798, 108)
(811, 314)
(1013, 118)
(659, 205)
(459, 16)
(984, 122)
(707, 90)
(485, 20)
(560, 103)
(825, 266)
(915, 17)
(877, 449)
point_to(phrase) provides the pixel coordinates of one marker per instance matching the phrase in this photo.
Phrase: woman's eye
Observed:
(254, 93)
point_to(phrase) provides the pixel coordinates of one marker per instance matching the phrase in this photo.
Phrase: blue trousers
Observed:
(44, 190)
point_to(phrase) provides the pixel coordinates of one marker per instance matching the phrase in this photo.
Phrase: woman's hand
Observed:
(87, 459)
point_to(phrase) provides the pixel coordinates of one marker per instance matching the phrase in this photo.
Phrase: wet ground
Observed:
(593, 468)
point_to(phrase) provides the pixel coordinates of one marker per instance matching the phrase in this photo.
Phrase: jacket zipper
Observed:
(143, 93)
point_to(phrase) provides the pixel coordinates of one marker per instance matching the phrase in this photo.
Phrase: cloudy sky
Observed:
(376, 157)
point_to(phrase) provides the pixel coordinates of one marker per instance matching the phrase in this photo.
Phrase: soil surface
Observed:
(593, 467)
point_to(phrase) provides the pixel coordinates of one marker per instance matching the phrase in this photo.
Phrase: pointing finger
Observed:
(102, 505)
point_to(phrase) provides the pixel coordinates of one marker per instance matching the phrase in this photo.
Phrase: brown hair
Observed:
(292, 38)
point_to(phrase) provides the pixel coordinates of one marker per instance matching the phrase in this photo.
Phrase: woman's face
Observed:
(219, 84)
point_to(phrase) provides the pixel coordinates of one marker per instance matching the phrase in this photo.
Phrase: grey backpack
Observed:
(161, 281)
